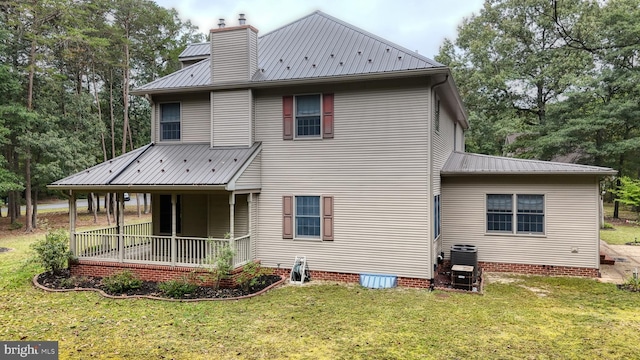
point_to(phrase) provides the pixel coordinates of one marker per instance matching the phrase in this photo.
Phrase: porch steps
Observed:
(606, 259)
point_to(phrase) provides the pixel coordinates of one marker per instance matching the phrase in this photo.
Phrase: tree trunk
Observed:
(113, 120)
(28, 227)
(138, 204)
(146, 204)
(90, 203)
(35, 209)
(106, 208)
(95, 212)
(125, 92)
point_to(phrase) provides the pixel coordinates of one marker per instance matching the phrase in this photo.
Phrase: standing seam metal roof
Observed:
(317, 45)
(477, 164)
(175, 164)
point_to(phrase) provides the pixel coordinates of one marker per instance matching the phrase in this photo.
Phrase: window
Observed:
(307, 216)
(436, 115)
(437, 216)
(165, 214)
(529, 213)
(308, 112)
(499, 213)
(170, 121)
(307, 116)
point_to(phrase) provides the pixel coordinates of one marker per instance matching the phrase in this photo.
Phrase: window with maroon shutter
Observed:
(287, 117)
(327, 218)
(327, 116)
(307, 116)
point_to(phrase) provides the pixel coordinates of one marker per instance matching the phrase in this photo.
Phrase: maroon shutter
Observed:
(287, 217)
(327, 116)
(327, 218)
(287, 117)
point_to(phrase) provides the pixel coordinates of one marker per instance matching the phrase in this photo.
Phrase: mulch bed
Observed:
(149, 289)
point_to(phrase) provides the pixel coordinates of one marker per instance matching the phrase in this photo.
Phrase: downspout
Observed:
(430, 201)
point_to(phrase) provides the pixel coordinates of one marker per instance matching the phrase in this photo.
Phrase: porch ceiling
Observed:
(160, 166)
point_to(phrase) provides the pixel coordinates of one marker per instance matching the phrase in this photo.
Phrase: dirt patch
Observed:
(537, 291)
(501, 278)
(151, 289)
(4, 249)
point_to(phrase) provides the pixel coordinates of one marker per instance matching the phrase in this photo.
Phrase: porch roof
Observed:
(170, 166)
(460, 164)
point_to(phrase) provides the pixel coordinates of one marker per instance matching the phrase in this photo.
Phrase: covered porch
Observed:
(169, 241)
(203, 200)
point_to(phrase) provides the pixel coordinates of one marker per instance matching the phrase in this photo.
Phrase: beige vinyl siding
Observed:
(218, 215)
(232, 118)
(230, 56)
(571, 218)
(253, 52)
(460, 139)
(376, 168)
(194, 215)
(250, 178)
(442, 144)
(241, 218)
(194, 117)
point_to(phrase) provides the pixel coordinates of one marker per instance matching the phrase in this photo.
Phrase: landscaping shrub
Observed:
(121, 282)
(250, 275)
(220, 266)
(52, 252)
(177, 288)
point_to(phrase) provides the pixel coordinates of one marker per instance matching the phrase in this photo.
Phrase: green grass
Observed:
(621, 234)
(576, 318)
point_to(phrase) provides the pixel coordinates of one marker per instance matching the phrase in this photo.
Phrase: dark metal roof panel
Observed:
(186, 164)
(477, 164)
(198, 74)
(103, 173)
(196, 50)
(291, 52)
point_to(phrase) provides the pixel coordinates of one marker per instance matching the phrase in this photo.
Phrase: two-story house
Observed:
(322, 140)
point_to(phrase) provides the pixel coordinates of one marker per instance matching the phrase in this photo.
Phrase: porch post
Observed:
(232, 221)
(72, 222)
(250, 218)
(174, 252)
(120, 203)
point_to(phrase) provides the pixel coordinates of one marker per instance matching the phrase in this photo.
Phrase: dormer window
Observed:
(308, 112)
(170, 121)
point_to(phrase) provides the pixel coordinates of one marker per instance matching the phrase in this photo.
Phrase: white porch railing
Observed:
(140, 246)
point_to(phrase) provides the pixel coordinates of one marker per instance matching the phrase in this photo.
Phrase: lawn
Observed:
(625, 229)
(531, 317)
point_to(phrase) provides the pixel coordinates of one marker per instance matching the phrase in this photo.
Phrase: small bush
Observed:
(251, 274)
(220, 266)
(121, 282)
(52, 252)
(177, 288)
(607, 226)
(633, 283)
(73, 281)
(15, 225)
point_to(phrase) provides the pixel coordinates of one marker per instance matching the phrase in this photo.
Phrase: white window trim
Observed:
(160, 139)
(514, 216)
(295, 120)
(295, 214)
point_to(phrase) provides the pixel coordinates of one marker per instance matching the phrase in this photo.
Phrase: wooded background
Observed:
(556, 78)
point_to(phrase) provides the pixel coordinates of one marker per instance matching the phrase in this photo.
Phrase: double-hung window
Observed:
(531, 214)
(308, 112)
(170, 121)
(527, 212)
(307, 213)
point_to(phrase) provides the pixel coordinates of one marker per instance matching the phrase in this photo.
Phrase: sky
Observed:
(420, 25)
